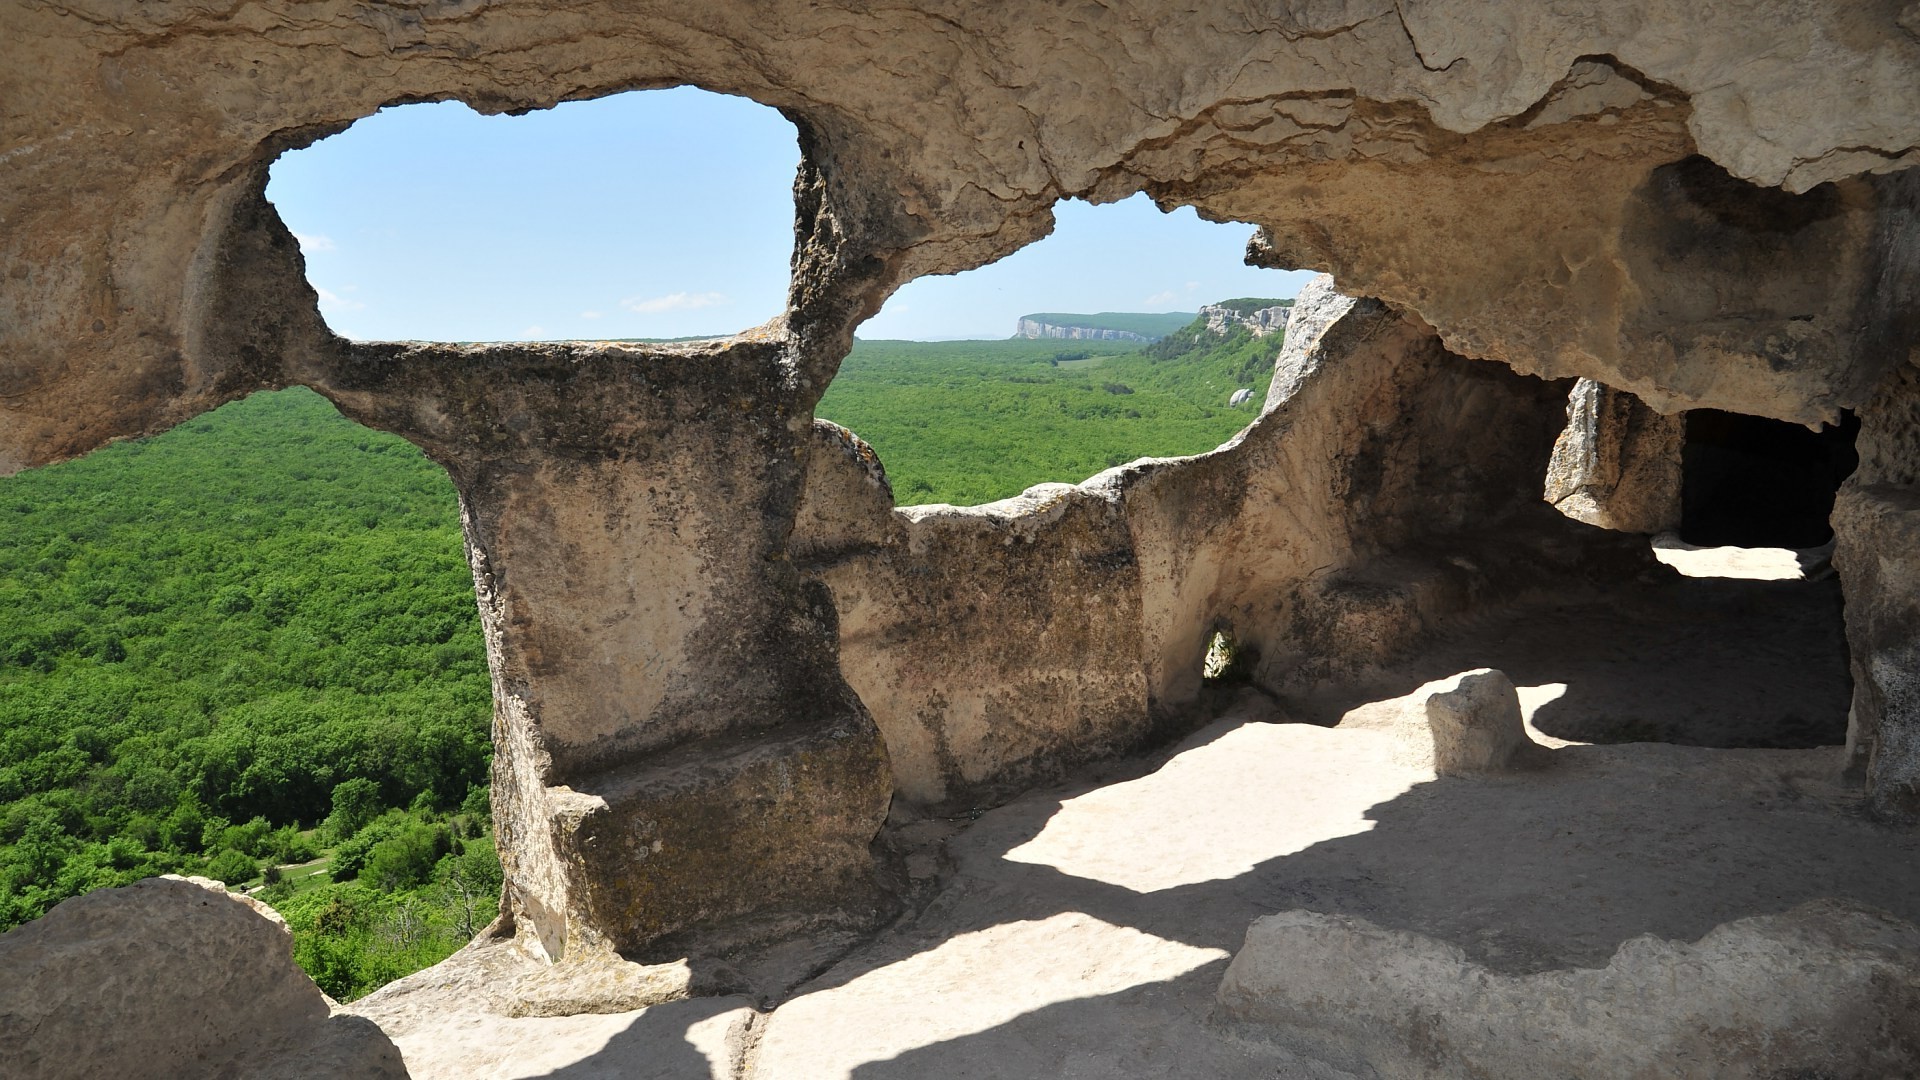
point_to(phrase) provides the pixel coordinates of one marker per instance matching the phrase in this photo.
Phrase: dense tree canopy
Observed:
(203, 634)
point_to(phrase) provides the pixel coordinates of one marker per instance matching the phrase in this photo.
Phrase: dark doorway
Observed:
(1753, 482)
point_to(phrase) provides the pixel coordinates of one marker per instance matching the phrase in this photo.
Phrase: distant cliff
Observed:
(1263, 317)
(1104, 326)
(1030, 328)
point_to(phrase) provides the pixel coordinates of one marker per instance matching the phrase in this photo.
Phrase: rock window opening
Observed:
(1127, 333)
(1226, 661)
(654, 214)
(248, 649)
(1754, 482)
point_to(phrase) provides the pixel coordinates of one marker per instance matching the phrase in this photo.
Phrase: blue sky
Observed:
(666, 213)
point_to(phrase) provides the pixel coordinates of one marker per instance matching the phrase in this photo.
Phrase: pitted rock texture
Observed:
(1474, 719)
(172, 977)
(1524, 178)
(1703, 205)
(671, 728)
(1386, 485)
(1826, 989)
(1617, 465)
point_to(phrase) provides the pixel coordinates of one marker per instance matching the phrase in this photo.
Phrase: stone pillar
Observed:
(1617, 464)
(1876, 521)
(675, 747)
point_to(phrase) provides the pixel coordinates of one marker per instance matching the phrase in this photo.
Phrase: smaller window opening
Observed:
(1127, 333)
(1225, 661)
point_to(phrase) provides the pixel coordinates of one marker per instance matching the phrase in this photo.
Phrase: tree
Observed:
(406, 859)
(355, 803)
(232, 868)
(470, 886)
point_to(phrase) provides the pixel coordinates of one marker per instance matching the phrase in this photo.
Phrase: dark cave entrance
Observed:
(1754, 482)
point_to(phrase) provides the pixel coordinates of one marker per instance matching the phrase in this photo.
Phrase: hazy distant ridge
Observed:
(1103, 326)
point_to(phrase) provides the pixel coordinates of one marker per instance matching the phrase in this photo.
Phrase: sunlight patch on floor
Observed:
(1753, 564)
(1218, 810)
(962, 987)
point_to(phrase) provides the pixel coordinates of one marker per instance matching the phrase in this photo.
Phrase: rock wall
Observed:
(1575, 193)
(997, 645)
(1262, 321)
(1617, 465)
(1703, 205)
(671, 727)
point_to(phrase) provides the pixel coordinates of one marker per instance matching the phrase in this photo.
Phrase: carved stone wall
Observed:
(1699, 204)
(999, 644)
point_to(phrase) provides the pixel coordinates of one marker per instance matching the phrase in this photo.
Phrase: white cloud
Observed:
(679, 301)
(1167, 297)
(334, 300)
(593, 315)
(310, 243)
(533, 333)
(1192, 285)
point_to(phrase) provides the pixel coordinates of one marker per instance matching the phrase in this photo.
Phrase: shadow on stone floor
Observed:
(1690, 661)
(660, 1044)
(1524, 873)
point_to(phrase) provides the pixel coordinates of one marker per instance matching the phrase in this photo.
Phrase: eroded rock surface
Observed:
(718, 650)
(1571, 192)
(1387, 484)
(1617, 464)
(1827, 989)
(672, 731)
(1474, 719)
(172, 977)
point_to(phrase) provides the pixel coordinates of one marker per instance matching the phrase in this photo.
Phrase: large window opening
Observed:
(248, 649)
(1127, 333)
(645, 215)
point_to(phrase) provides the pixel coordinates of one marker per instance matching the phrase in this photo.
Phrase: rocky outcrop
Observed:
(1222, 319)
(1617, 465)
(1574, 194)
(1032, 328)
(172, 977)
(1827, 989)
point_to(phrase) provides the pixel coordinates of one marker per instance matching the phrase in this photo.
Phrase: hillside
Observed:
(208, 640)
(972, 421)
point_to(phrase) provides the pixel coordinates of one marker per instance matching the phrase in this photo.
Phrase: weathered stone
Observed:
(1386, 485)
(1702, 205)
(1571, 192)
(672, 731)
(1034, 328)
(1222, 319)
(1474, 718)
(171, 977)
(1617, 465)
(1876, 524)
(1827, 989)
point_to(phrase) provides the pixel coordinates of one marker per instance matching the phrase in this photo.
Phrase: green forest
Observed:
(968, 422)
(248, 649)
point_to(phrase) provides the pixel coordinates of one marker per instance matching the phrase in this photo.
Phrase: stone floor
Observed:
(1083, 931)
